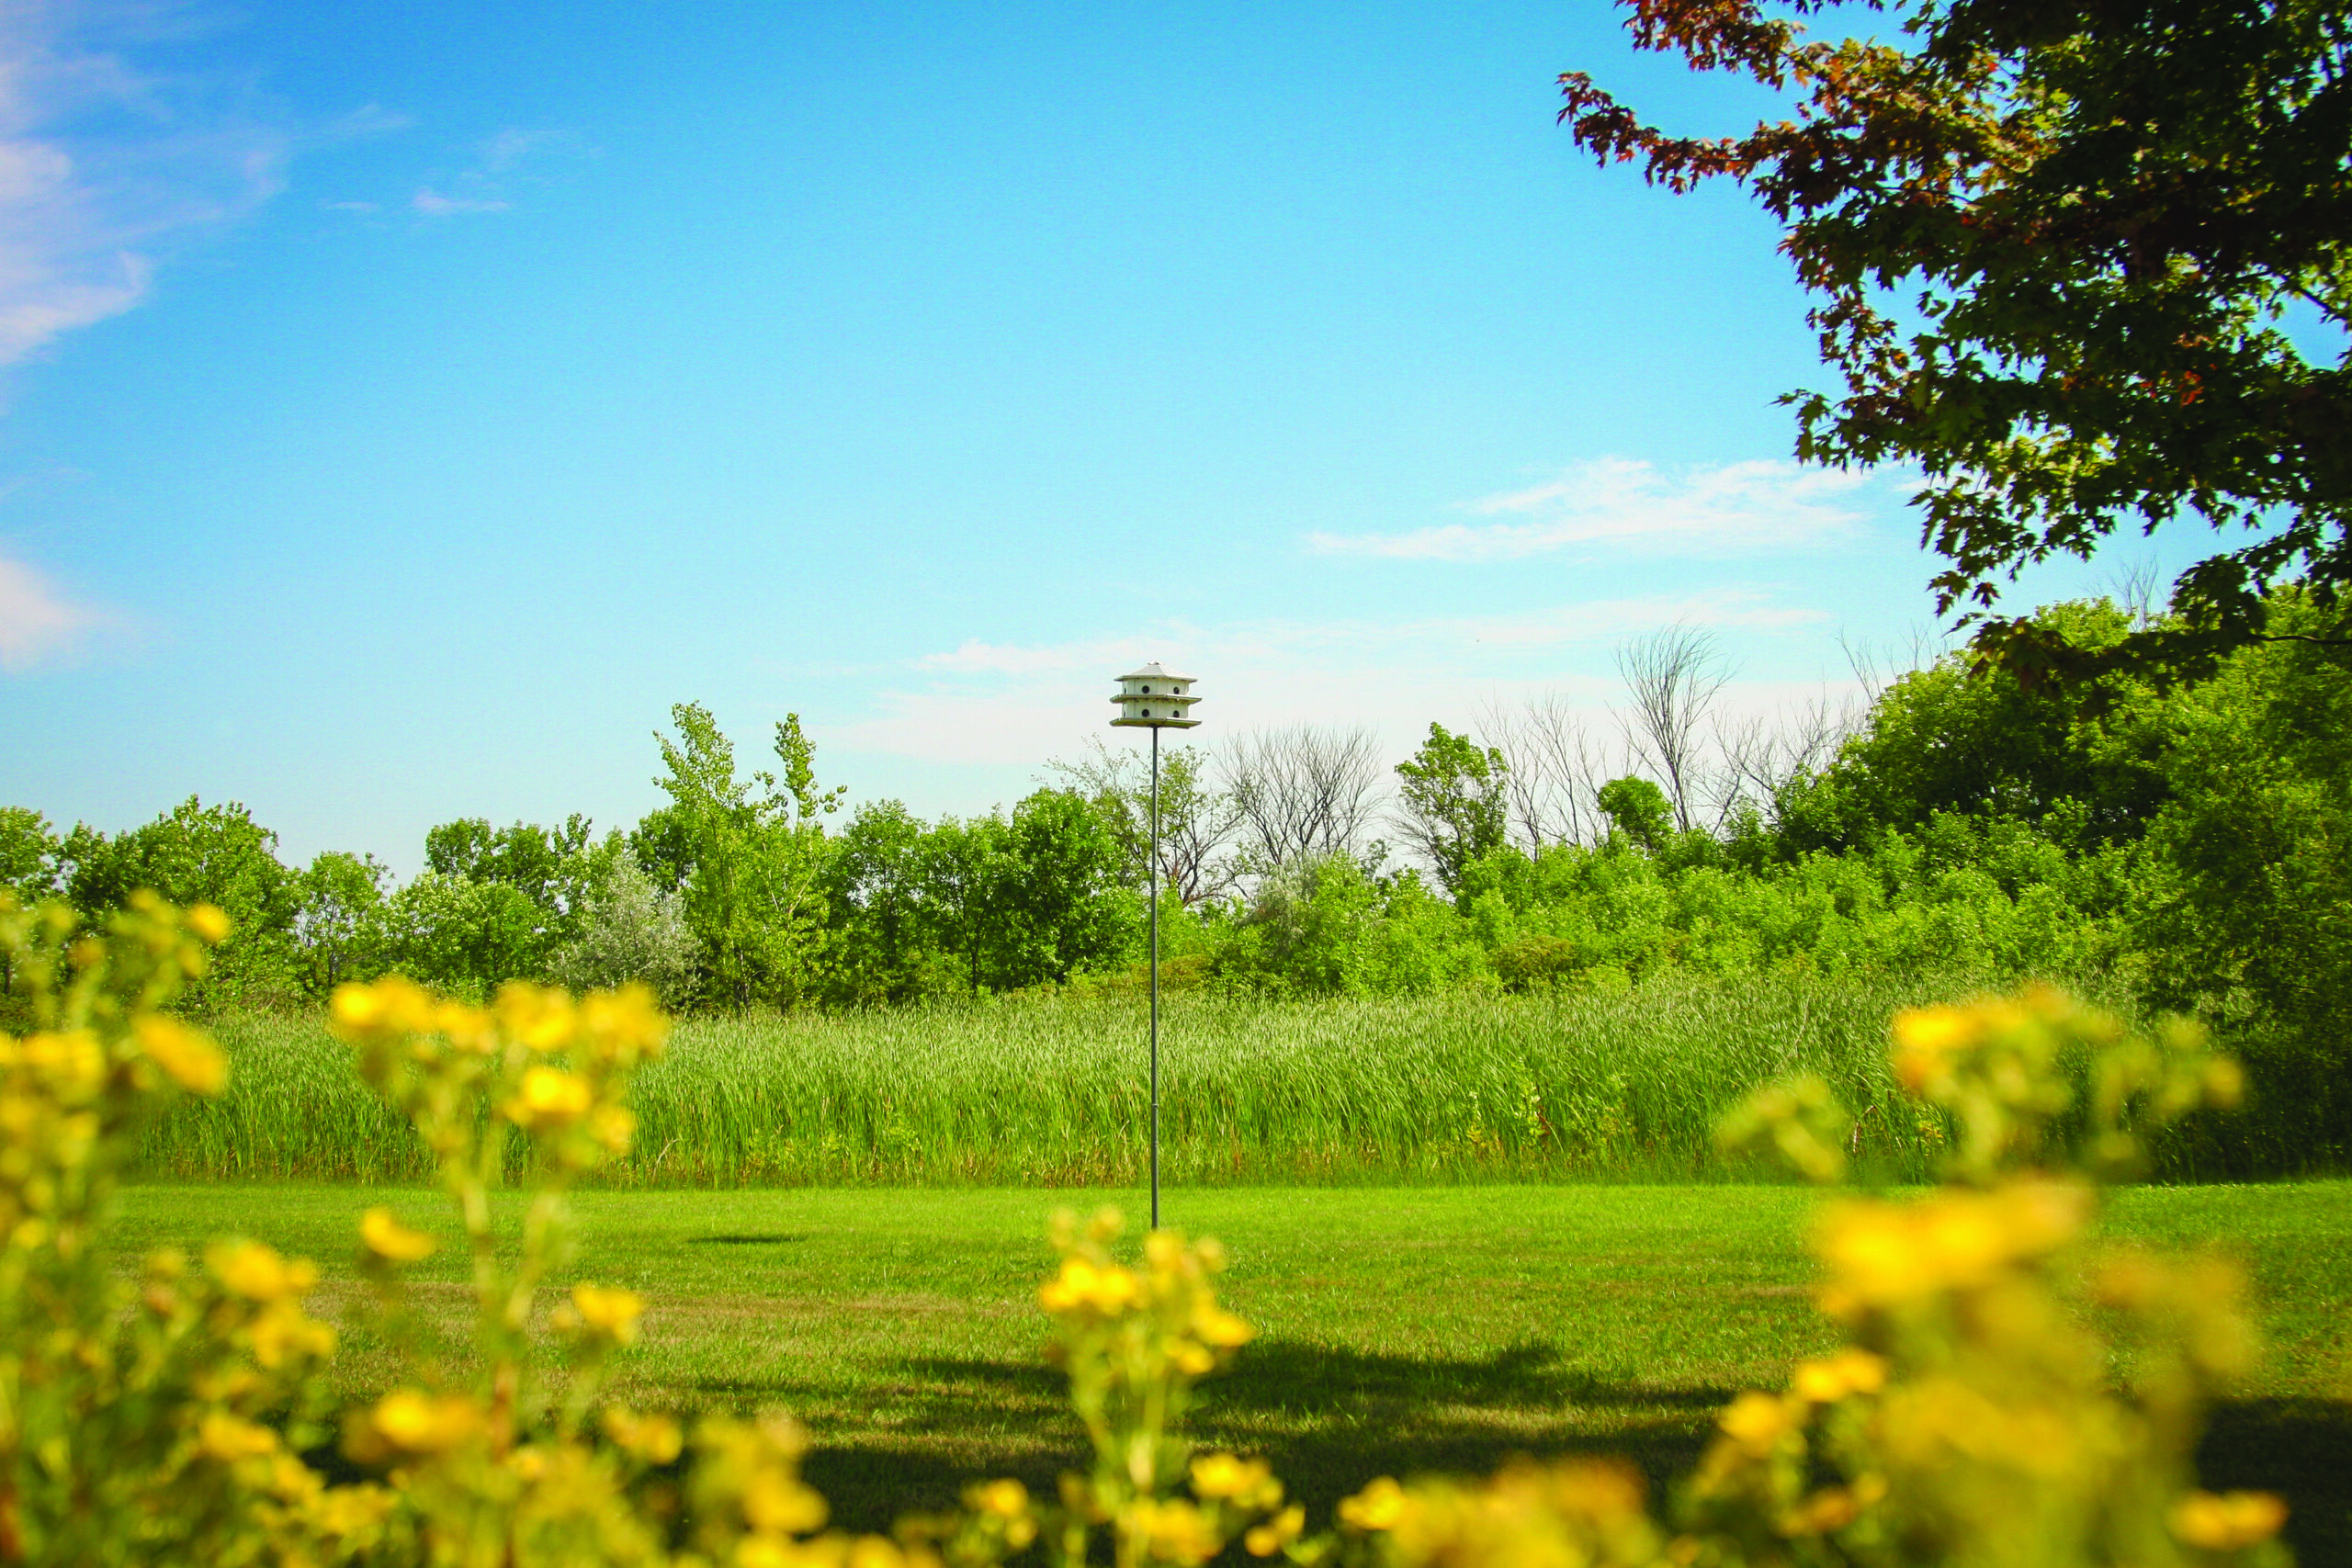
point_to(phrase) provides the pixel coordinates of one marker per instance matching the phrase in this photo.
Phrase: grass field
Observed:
(1402, 1330)
(1443, 1089)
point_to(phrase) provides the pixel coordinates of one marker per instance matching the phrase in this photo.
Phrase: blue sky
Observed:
(404, 404)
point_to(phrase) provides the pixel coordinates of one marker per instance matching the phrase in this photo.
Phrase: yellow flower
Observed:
(1831, 1379)
(612, 1127)
(420, 1424)
(1755, 1422)
(1223, 1475)
(192, 1061)
(653, 1439)
(1107, 1291)
(1378, 1507)
(228, 1439)
(257, 1272)
(610, 1312)
(774, 1500)
(1007, 1498)
(1214, 1325)
(281, 1332)
(1925, 1038)
(208, 922)
(388, 1238)
(542, 1018)
(2229, 1520)
(549, 1098)
(1266, 1539)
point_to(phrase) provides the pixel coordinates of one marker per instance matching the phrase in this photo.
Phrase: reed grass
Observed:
(1441, 1088)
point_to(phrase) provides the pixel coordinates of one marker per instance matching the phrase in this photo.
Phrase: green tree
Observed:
(875, 893)
(753, 896)
(195, 853)
(1984, 742)
(339, 923)
(1064, 903)
(30, 850)
(1638, 810)
(1456, 802)
(2101, 212)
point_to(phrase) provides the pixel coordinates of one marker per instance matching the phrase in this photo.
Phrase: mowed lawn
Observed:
(1401, 1330)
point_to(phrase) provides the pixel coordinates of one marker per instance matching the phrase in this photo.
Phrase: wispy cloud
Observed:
(1628, 505)
(432, 204)
(38, 623)
(1010, 702)
(105, 167)
(497, 163)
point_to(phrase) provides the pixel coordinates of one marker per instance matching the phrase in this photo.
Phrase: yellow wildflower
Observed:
(1378, 1507)
(192, 1061)
(1925, 1039)
(1755, 1422)
(388, 1238)
(612, 1127)
(420, 1424)
(1223, 1475)
(1832, 1378)
(775, 1500)
(549, 1098)
(229, 1438)
(653, 1439)
(1264, 1541)
(257, 1273)
(1108, 1291)
(1006, 1498)
(1212, 1324)
(2227, 1521)
(210, 922)
(610, 1312)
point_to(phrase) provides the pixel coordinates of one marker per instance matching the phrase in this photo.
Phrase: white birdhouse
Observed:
(1153, 699)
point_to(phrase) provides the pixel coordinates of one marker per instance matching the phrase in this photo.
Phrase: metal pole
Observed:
(1154, 884)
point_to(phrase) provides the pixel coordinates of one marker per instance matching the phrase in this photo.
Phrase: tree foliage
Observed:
(2099, 213)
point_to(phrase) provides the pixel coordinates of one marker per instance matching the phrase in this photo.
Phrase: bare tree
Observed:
(1557, 767)
(1196, 821)
(1303, 793)
(1758, 759)
(1673, 676)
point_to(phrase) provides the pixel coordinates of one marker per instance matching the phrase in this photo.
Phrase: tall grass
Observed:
(1445, 1087)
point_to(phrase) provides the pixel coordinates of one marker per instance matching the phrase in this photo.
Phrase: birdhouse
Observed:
(1153, 699)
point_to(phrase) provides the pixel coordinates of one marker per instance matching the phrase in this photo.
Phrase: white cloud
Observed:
(105, 168)
(36, 622)
(367, 121)
(992, 702)
(432, 204)
(1628, 505)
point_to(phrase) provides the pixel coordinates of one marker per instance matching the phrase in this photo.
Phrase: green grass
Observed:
(1459, 1087)
(1402, 1330)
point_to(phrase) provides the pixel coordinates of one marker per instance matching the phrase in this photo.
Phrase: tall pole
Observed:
(1153, 876)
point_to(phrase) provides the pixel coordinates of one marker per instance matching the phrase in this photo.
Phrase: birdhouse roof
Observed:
(1153, 672)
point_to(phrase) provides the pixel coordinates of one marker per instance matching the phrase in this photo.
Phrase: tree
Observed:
(1455, 802)
(1673, 677)
(195, 853)
(875, 894)
(756, 847)
(1303, 794)
(2102, 210)
(28, 855)
(630, 931)
(1639, 810)
(340, 916)
(1196, 820)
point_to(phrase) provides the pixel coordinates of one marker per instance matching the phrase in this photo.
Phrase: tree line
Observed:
(2188, 839)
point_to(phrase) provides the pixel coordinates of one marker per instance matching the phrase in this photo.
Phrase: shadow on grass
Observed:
(776, 1240)
(2299, 1447)
(1328, 1418)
